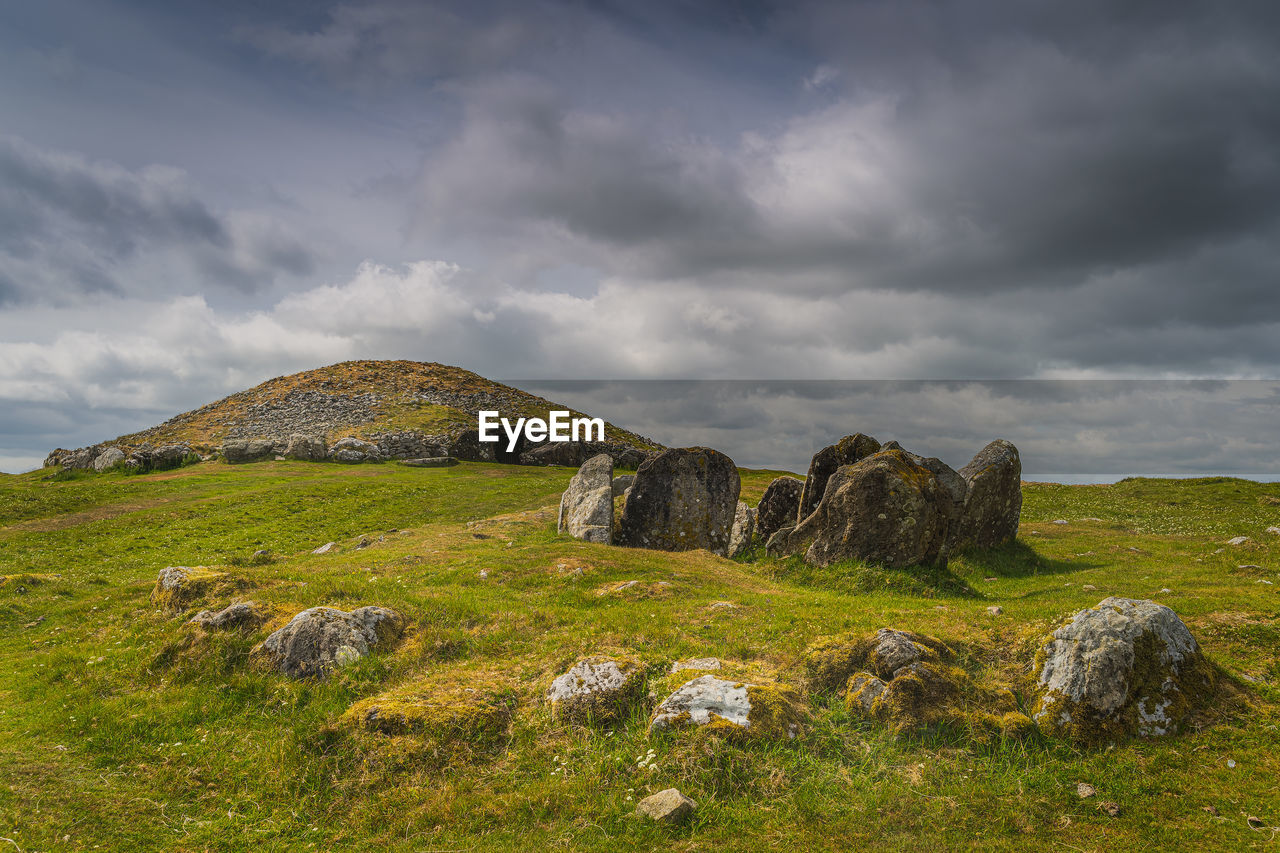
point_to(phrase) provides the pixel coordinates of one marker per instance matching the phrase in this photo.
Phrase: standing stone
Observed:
(107, 458)
(886, 509)
(586, 507)
(779, 506)
(682, 499)
(846, 451)
(1123, 667)
(308, 448)
(993, 504)
(744, 526)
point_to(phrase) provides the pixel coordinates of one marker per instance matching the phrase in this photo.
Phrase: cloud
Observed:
(71, 227)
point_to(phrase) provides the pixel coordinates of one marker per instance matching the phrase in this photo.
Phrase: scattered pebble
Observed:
(1165, 591)
(995, 610)
(1211, 810)
(1112, 809)
(483, 574)
(1059, 521)
(1275, 531)
(1085, 790)
(1231, 762)
(723, 605)
(1238, 540)
(1088, 587)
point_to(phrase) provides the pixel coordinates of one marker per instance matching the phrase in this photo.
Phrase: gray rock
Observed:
(778, 543)
(169, 456)
(307, 448)
(325, 548)
(779, 506)
(669, 806)
(1123, 667)
(886, 509)
(240, 451)
(696, 664)
(993, 504)
(864, 689)
(682, 499)
(107, 458)
(595, 690)
(846, 451)
(760, 710)
(744, 526)
(586, 507)
(621, 483)
(354, 450)
(430, 462)
(317, 640)
(244, 616)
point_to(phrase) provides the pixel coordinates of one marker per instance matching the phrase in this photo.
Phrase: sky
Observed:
(195, 197)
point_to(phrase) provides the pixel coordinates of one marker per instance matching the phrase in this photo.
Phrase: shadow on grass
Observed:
(856, 577)
(1017, 559)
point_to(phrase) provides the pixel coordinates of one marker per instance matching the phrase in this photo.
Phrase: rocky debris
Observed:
(743, 530)
(241, 616)
(831, 661)
(571, 454)
(321, 638)
(621, 483)
(179, 586)
(326, 548)
(410, 444)
(430, 462)
(669, 806)
(108, 458)
(597, 690)
(777, 544)
(696, 664)
(1084, 790)
(239, 451)
(74, 460)
(779, 506)
(586, 507)
(734, 708)
(993, 502)
(1123, 667)
(307, 448)
(847, 451)
(682, 499)
(353, 450)
(886, 509)
(913, 696)
(1275, 531)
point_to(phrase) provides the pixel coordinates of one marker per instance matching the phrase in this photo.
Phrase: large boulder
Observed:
(466, 445)
(846, 451)
(1123, 667)
(682, 499)
(779, 506)
(733, 707)
(993, 500)
(108, 458)
(321, 638)
(239, 451)
(743, 530)
(169, 456)
(586, 507)
(354, 451)
(307, 448)
(597, 690)
(886, 509)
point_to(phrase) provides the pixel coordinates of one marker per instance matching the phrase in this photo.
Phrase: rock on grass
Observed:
(178, 587)
(317, 640)
(758, 710)
(597, 690)
(669, 806)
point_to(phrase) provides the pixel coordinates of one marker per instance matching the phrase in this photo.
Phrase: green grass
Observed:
(122, 730)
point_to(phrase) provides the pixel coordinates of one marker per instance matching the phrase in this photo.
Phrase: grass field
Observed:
(123, 729)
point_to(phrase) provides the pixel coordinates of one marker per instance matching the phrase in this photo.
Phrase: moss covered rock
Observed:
(847, 451)
(178, 587)
(317, 640)
(759, 710)
(779, 506)
(597, 690)
(682, 499)
(993, 500)
(830, 661)
(240, 616)
(1123, 667)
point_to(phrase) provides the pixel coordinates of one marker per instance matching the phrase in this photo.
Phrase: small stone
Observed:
(1248, 566)
(1274, 531)
(696, 663)
(483, 574)
(723, 605)
(995, 610)
(1165, 591)
(1112, 809)
(325, 548)
(1089, 587)
(1211, 810)
(669, 806)
(1059, 521)
(1085, 790)
(1238, 540)
(1255, 822)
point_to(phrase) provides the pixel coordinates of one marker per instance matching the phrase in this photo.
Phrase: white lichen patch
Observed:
(703, 699)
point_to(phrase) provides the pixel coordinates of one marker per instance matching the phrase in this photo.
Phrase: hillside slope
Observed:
(362, 399)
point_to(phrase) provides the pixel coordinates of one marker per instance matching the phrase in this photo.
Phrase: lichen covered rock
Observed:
(993, 501)
(586, 507)
(847, 451)
(743, 530)
(763, 709)
(354, 451)
(778, 506)
(317, 640)
(178, 587)
(108, 458)
(308, 448)
(240, 616)
(682, 499)
(1123, 667)
(597, 690)
(668, 806)
(239, 451)
(831, 661)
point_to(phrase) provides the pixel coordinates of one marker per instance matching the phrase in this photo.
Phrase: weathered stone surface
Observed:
(733, 707)
(621, 483)
(354, 451)
(696, 664)
(862, 691)
(307, 448)
(669, 806)
(179, 586)
(435, 720)
(886, 509)
(586, 507)
(777, 545)
(1123, 667)
(107, 458)
(830, 661)
(597, 690)
(321, 638)
(916, 695)
(243, 616)
(430, 462)
(325, 548)
(466, 445)
(682, 499)
(846, 451)
(240, 451)
(743, 530)
(993, 503)
(779, 506)
(169, 456)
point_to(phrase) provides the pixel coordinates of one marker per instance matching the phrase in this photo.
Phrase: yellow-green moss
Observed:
(197, 584)
(605, 707)
(777, 711)
(830, 662)
(23, 580)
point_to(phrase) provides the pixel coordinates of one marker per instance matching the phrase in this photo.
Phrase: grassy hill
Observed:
(122, 729)
(354, 398)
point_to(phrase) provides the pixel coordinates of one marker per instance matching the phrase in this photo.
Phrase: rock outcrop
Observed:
(317, 640)
(779, 506)
(846, 451)
(354, 451)
(682, 499)
(1123, 667)
(761, 709)
(586, 507)
(993, 497)
(239, 451)
(307, 448)
(831, 661)
(573, 453)
(178, 587)
(108, 458)
(597, 690)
